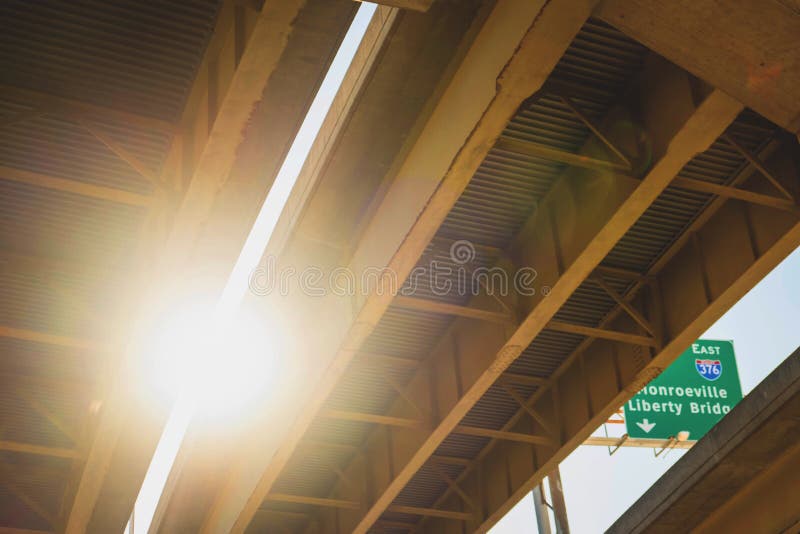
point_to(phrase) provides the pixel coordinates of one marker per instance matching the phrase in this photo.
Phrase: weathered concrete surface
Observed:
(743, 474)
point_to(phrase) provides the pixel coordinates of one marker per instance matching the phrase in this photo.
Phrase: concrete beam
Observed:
(39, 450)
(76, 187)
(44, 102)
(235, 97)
(49, 338)
(687, 291)
(586, 232)
(503, 65)
(746, 49)
(414, 5)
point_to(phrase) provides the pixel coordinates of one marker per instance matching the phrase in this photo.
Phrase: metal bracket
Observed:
(668, 447)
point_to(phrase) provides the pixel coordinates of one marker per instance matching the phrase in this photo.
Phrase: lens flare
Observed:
(223, 363)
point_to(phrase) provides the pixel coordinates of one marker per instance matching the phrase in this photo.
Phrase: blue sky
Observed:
(598, 488)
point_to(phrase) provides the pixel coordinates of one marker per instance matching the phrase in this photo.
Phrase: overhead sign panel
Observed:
(691, 395)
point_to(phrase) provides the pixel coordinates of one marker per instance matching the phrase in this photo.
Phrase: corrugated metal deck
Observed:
(502, 195)
(62, 254)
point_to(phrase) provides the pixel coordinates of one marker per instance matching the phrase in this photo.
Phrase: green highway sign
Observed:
(691, 395)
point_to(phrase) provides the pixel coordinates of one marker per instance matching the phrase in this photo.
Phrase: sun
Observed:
(221, 362)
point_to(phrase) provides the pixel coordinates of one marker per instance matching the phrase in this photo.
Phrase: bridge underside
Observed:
(565, 194)
(120, 124)
(646, 200)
